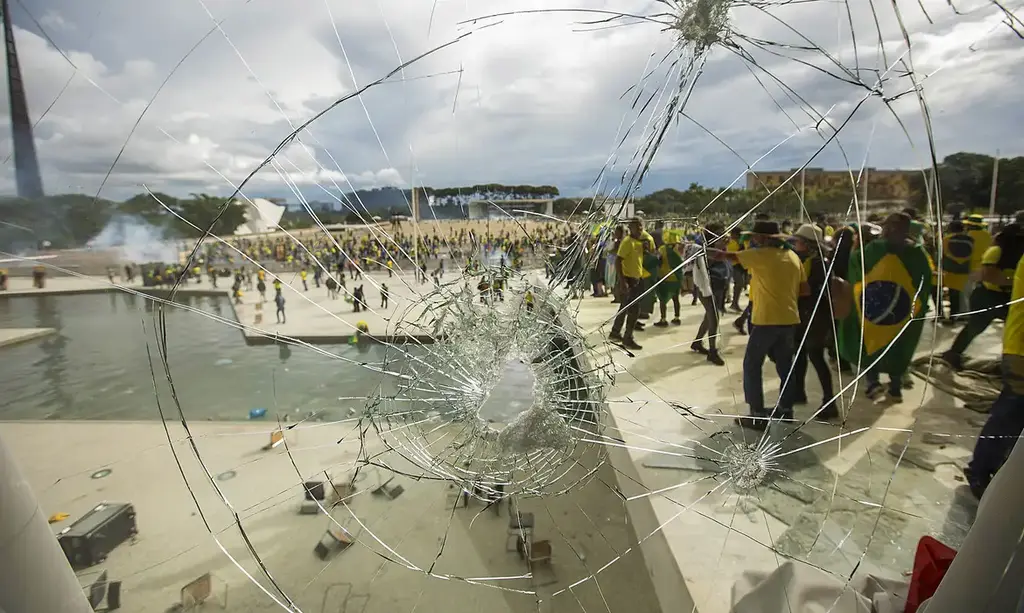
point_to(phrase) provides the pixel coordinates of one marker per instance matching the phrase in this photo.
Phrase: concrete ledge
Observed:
(16, 336)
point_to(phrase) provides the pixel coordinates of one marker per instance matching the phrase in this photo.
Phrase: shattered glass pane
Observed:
(327, 379)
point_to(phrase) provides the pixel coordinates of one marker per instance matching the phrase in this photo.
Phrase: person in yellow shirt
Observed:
(738, 274)
(629, 269)
(990, 297)
(1006, 417)
(778, 279)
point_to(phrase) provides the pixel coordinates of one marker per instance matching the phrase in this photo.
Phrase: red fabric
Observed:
(931, 562)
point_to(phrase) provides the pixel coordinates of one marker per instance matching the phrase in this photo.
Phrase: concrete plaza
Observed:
(856, 494)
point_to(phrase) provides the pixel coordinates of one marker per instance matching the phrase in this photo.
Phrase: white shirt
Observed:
(696, 257)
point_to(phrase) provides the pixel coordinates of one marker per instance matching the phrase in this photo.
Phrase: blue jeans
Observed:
(778, 343)
(1004, 425)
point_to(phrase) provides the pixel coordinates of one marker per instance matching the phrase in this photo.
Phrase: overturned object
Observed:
(89, 540)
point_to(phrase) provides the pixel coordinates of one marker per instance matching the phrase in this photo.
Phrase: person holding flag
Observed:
(670, 277)
(957, 247)
(890, 297)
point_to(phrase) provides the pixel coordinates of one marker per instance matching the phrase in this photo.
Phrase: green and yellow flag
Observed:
(890, 297)
(956, 260)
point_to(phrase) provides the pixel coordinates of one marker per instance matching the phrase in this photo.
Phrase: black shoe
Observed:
(698, 347)
(676, 321)
(758, 423)
(631, 344)
(976, 483)
(661, 324)
(829, 412)
(955, 360)
(715, 359)
(615, 336)
(874, 391)
(738, 324)
(639, 327)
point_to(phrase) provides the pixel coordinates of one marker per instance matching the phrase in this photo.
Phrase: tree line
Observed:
(71, 220)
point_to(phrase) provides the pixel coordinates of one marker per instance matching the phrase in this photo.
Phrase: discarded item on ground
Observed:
(978, 384)
(199, 592)
(389, 491)
(931, 561)
(276, 438)
(92, 537)
(103, 590)
(335, 539)
(520, 530)
(58, 517)
(313, 497)
(800, 587)
(257, 413)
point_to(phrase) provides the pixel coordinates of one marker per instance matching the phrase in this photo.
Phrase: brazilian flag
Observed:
(957, 250)
(890, 292)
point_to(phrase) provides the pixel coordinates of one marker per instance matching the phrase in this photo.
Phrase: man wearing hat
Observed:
(814, 334)
(777, 281)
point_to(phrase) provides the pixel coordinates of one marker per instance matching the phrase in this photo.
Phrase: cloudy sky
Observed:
(194, 95)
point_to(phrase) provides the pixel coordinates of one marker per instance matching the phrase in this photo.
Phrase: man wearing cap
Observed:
(777, 281)
(629, 268)
(1006, 417)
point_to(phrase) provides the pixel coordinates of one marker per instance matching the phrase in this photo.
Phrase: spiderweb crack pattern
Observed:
(423, 420)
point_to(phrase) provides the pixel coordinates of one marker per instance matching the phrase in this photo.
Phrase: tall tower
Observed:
(26, 165)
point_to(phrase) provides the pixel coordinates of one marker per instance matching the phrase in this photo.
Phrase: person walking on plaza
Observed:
(705, 292)
(990, 297)
(383, 295)
(670, 275)
(279, 302)
(628, 273)
(1005, 422)
(957, 247)
(305, 284)
(814, 334)
(777, 281)
(890, 297)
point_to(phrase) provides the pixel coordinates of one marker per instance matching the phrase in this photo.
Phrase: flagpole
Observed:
(992, 192)
(803, 188)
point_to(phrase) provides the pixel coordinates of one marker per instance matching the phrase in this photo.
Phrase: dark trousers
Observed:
(990, 306)
(739, 283)
(629, 307)
(719, 287)
(775, 342)
(813, 352)
(1004, 425)
(709, 325)
(954, 303)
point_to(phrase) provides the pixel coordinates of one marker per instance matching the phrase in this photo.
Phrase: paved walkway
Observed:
(15, 336)
(853, 495)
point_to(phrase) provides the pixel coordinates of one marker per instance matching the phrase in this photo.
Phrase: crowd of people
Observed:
(856, 295)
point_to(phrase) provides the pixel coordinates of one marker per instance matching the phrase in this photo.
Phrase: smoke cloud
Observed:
(136, 240)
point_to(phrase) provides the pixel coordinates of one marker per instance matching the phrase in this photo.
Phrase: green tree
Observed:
(209, 213)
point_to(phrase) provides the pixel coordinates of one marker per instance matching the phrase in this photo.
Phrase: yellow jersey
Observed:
(631, 252)
(991, 258)
(1013, 333)
(776, 276)
(982, 241)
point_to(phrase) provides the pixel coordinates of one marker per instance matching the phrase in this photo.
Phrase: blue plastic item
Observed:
(257, 413)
